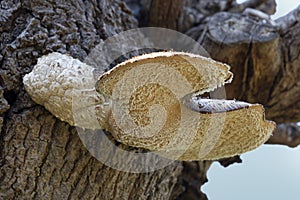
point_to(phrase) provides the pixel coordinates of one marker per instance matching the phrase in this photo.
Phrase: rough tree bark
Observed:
(43, 158)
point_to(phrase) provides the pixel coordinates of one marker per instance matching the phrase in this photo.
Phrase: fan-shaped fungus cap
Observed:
(150, 91)
(151, 107)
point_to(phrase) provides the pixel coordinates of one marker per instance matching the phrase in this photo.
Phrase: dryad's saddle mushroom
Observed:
(154, 104)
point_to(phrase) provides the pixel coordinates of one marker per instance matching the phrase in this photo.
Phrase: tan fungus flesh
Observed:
(149, 89)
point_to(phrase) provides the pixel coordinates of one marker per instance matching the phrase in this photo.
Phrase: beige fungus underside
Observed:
(150, 113)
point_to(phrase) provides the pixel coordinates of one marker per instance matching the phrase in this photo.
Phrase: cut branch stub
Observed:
(230, 28)
(148, 104)
(251, 45)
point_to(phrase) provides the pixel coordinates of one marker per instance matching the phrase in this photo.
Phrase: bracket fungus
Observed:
(154, 104)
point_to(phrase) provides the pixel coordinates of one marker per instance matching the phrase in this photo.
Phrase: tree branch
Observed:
(286, 134)
(284, 102)
(165, 13)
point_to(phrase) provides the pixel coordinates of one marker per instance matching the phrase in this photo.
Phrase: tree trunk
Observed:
(43, 158)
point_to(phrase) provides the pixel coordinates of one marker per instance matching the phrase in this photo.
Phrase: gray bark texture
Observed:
(43, 158)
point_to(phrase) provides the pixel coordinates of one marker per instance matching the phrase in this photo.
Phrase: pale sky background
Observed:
(271, 172)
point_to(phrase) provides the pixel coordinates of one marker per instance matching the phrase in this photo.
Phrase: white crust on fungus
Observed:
(66, 87)
(207, 106)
